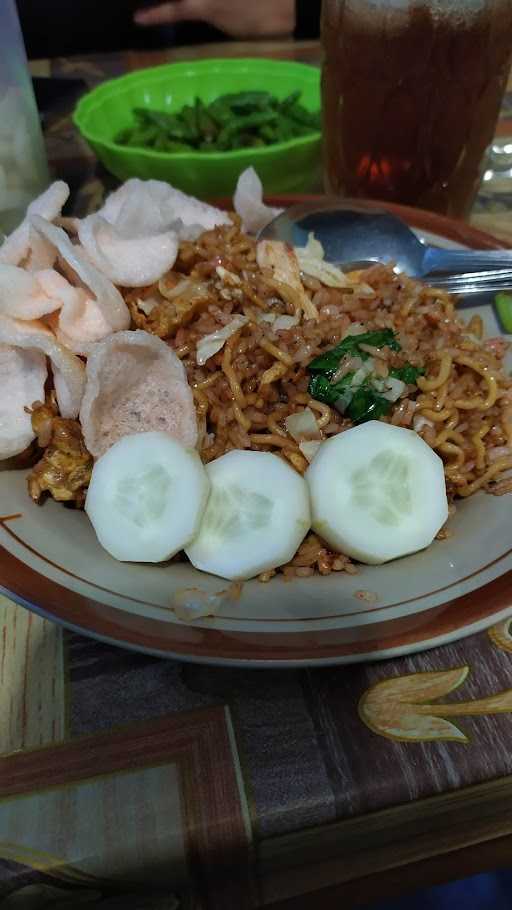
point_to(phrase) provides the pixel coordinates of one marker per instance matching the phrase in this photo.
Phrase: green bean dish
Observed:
(235, 121)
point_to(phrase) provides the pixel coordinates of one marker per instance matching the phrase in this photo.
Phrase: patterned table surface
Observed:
(126, 781)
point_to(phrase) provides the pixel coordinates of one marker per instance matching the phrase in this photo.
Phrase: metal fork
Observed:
(473, 282)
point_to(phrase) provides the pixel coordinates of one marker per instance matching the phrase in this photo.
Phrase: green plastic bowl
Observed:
(285, 167)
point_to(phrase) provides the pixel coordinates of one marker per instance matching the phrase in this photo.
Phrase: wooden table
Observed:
(247, 789)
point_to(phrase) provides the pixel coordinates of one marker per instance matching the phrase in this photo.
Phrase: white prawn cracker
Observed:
(76, 319)
(68, 370)
(16, 247)
(135, 384)
(79, 321)
(160, 206)
(134, 238)
(22, 377)
(248, 203)
(93, 308)
(127, 258)
(27, 296)
(22, 296)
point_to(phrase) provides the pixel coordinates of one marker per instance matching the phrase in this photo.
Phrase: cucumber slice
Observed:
(146, 497)
(257, 516)
(377, 492)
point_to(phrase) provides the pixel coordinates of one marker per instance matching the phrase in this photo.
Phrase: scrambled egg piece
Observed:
(65, 469)
(164, 307)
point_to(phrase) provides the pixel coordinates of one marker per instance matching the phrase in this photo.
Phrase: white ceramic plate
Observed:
(52, 563)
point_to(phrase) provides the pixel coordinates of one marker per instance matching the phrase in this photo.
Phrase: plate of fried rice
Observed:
(160, 324)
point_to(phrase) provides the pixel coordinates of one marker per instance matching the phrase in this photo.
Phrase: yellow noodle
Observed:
(276, 352)
(435, 416)
(507, 424)
(453, 420)
(448, 435)
(272, 439)
(273, 425)
(297, 459)
(484, 372)
(478, 403)
(435, 402)
(428, 385)
(479, 446)
(275, 372)
(205, 383)
(202, 403)
(449, 448)
(498, 467)
(230, 373)
(253, 296)
(324, 411)
(241, 418)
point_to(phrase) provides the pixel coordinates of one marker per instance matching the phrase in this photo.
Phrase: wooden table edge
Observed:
(404, 845)
(401, 881)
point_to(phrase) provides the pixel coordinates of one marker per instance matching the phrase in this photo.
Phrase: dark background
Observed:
(57, 28)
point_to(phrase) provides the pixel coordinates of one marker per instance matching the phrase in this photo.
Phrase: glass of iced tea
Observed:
(411, 94)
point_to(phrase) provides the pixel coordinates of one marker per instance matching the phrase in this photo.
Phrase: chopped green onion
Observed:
(358, 395)
(329, 362)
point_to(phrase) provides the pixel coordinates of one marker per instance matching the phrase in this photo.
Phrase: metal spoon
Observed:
(354, 234)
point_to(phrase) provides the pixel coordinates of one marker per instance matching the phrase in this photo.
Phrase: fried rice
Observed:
(244, 393)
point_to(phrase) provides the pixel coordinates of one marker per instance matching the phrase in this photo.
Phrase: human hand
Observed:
(264, 18)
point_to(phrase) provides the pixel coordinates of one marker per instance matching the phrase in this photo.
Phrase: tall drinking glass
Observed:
(411, 94)
(23, 167)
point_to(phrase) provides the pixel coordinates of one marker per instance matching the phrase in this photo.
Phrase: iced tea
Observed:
(411, 93)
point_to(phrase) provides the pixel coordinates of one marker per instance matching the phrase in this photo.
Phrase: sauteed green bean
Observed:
(243, 120)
